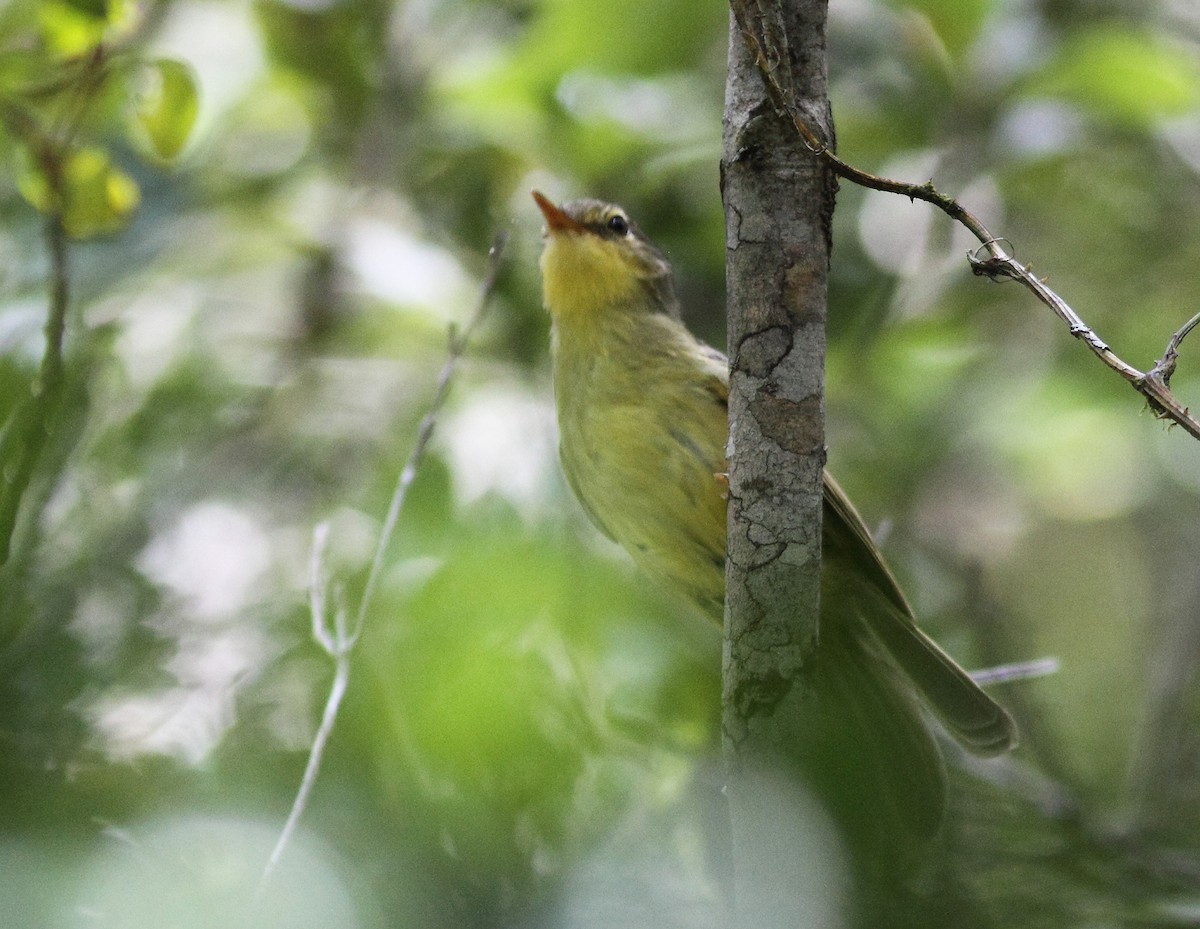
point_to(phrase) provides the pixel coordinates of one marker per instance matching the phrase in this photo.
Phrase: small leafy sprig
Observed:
(77, 83)
(80, 81)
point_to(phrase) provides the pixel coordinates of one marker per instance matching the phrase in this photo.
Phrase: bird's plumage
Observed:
(642, 408)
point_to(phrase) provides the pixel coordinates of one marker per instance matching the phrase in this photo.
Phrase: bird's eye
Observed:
(618, 224)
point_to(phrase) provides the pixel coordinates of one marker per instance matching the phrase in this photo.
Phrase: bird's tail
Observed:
(977, 722)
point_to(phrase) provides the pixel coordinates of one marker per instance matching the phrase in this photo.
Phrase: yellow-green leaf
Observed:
(94, 195)
(69, 31)
(73, 28)
(166, 105)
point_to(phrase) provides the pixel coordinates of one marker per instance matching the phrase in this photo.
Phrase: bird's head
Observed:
(596, 261)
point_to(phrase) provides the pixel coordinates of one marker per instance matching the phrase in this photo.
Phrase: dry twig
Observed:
(340, 642)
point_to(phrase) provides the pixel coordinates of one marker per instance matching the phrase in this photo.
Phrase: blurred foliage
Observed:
(276, 208)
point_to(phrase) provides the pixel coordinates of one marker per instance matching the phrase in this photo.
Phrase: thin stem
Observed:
(458, 344)
(339, 642)
(26, 434)
(1016, 671)
(60, 298)
(1166, 367)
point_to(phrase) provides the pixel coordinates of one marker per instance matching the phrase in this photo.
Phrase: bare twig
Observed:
(1016, 671)
(60, 297)
(339, 642)
(458, 344)
(998, 264)
(1164, 368)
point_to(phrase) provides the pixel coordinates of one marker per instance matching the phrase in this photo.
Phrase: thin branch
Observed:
(1016, 671)
(1164, 368)
(51, 371)
(339, 642)
(998, 263)
(458, 344)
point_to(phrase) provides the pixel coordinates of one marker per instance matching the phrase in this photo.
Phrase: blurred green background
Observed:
(256, 326)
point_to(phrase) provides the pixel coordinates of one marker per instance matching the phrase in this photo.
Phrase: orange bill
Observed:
(556, 219)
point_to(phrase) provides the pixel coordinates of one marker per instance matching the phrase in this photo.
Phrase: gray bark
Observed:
(778, 207)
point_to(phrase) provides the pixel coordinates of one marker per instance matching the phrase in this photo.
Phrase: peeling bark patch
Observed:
(792, 425)
(760, 352)
(804, 284)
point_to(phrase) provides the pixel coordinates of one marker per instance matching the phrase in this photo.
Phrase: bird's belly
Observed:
(653, 485)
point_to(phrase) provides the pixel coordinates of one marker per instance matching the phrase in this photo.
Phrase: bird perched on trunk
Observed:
(642, 413)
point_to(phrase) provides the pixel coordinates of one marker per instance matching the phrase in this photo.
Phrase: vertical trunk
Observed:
(778, 206)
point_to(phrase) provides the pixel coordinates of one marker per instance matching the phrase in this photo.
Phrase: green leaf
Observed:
(95, 197)
(69, 31)
(166, 105)
(73, 28)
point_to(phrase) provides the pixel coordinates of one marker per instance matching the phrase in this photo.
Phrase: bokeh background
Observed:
(529, 739)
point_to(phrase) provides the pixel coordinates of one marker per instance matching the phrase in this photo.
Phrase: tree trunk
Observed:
(778, 208)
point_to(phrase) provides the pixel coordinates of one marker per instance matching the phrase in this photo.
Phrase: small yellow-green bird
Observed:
(642, 413)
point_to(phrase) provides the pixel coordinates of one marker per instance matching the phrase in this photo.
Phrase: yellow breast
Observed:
(643, 424)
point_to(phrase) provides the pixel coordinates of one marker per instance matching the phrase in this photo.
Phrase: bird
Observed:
(642, 407)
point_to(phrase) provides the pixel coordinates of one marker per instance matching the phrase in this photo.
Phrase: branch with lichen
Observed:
(758, 22)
